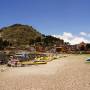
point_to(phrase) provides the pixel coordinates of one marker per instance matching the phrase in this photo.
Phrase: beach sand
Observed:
(67, 73)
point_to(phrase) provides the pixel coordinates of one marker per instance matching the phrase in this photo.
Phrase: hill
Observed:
(19, 34)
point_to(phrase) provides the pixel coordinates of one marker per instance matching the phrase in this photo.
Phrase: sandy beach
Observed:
(67, 73)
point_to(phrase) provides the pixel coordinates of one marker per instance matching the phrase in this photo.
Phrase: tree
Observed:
(5, 43)
(82, 48)
(32, 42)
(38, 39)
(1, 44)
(88, 46)
(51, 41)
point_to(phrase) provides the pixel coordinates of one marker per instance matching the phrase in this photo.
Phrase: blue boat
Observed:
(88, 59)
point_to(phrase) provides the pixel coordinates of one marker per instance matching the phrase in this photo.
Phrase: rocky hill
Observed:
(19, 34)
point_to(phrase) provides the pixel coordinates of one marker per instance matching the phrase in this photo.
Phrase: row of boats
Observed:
(24, 59)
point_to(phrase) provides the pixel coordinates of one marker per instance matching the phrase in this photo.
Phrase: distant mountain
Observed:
(19, 34)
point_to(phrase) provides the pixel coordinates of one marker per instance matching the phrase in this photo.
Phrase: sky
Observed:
(66, 19)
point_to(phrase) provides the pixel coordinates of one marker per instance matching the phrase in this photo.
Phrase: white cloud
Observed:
(68, 35)
(77, 40)
(72, 39)
(83, 33)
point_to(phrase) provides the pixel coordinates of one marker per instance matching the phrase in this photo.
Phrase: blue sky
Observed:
(48, 16)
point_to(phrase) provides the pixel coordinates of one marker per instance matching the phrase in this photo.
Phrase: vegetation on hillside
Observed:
(17, 35)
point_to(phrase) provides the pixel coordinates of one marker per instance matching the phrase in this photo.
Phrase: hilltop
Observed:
(19, 34)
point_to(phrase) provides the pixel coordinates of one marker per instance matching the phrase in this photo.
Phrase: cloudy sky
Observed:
(74, 39)
(67, 19)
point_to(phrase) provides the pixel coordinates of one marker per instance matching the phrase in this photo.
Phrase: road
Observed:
(67, 73)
